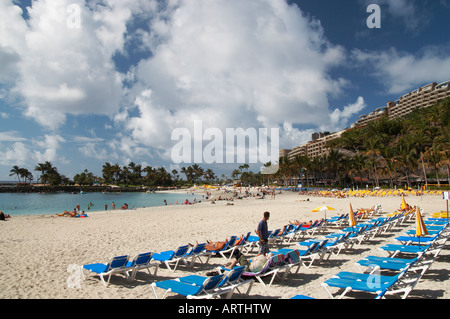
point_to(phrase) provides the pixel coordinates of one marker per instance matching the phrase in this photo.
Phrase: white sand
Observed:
(36, 251)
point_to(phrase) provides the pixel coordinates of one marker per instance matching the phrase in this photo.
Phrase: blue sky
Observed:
(88, 82)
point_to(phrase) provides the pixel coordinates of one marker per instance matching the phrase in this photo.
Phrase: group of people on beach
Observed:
(258, 262)
(124, 206)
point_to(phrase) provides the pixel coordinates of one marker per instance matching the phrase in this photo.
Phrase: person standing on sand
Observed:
(263, 233)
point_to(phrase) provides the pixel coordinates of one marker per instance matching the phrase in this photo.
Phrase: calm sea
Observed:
(54, 203)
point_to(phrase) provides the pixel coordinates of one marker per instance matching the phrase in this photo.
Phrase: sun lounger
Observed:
(372, 283)
(237, 244)
(205, 290)
(172, 257)
(376, 263)
(315, 250)
(195, 253)
(142, 261)
(408, 240)
(231, 281)
(272, 267)
(116, 265)
(433, 249)
(230, 242)
(294, 233)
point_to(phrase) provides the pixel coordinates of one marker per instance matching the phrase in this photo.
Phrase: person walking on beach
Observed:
(263, 233)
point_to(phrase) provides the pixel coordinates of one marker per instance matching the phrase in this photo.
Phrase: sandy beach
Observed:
(39, 252)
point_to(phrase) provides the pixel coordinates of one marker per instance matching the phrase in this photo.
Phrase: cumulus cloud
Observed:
(29, 152)
(339, 118)
(59, 66)
(228, 63)
(51, 144)
(401, 72)
(232, 64)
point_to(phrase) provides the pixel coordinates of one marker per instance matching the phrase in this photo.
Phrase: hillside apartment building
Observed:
(422, 97)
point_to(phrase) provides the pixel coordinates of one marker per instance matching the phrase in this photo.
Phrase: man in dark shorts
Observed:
(263, 233)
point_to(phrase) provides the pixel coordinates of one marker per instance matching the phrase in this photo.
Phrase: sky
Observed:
(83, 83)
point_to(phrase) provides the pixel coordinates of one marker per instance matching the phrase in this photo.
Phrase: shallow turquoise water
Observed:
(54, 203)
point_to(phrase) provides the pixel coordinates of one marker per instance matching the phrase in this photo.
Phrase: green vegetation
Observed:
(384, 152)
(395, 151)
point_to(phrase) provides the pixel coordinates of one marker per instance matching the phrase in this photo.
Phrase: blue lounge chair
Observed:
(171, 257)
(230, 242)
(272, 267)
(142, 261)
(197, 252)
(116, 265)
(301, 297)
(371, 283)
(407, 240)
(190, 291)
(392, 250)
(373, 263)
(293, 233)
(231, 281)
(236, 245)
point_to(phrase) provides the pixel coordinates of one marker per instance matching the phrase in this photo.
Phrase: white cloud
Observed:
(60, 69)
(51, 144)
(92, 150)
(339, 118)
(11, 136)
(400, 71)
(232, 64)
(16, 154)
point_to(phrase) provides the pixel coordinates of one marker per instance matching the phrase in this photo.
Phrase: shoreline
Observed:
(37, 252)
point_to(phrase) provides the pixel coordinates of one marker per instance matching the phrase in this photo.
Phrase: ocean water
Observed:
(55, 203)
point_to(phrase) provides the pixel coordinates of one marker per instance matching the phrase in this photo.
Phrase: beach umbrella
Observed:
(421, 229)
(324, 209)
(351, 217)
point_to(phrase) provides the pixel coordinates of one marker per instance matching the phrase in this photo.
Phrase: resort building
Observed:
(422, 97)
(364, 119)
(316, 147)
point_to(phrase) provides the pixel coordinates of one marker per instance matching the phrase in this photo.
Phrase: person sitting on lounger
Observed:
(256, 265)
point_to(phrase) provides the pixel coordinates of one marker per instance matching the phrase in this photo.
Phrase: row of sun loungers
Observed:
(284, 261)
(403, 273)
(129, 267)
(199, 287)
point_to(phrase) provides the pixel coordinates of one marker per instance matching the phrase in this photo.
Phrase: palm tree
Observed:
(388, 154)
(434, 158)
(15, 171)
(373, 151)
(407, 158)
(49, 173)
(26, 175)
(333, 163)
(107, 172)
